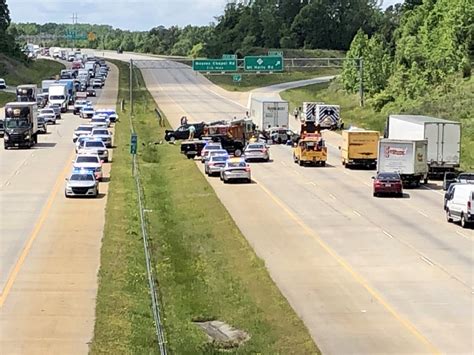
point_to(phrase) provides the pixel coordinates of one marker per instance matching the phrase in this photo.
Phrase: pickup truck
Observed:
(183, 132)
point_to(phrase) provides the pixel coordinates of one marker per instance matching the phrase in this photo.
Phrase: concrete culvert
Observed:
(222, 335)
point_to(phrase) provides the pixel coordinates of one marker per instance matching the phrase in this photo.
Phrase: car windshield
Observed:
(101, 131)
(84, 129)
(99, 120)
(389, 176)
(94, 144)
(219, 158)
(47, 112)
(238, 164)
(213, 147)
(255, 146)
(57, 97)
(82, 177)
(88, 109)
(21, 123)
(87, 159)
(466, 177)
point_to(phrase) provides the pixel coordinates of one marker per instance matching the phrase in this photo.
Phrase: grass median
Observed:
(205, 268)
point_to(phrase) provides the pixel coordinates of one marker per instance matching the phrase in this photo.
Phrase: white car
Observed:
(91, 163)
(95, 147)
(236, 169)
(3, 84)
(104, 135)
(49, 118)
(82, 130)
(81, 183)
(256, 151)
(99, 122)
(460, 205)
(110, 112)
(87, 112)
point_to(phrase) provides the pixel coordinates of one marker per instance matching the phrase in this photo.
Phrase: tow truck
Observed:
(310, 148)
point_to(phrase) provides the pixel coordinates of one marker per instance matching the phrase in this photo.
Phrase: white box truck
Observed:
(267, 113)
(444, 138)
(406, 157)
(58, 94)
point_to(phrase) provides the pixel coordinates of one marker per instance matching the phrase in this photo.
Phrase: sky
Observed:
(141, 15)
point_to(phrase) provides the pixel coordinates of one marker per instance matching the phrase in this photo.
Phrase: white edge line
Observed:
(388, 234)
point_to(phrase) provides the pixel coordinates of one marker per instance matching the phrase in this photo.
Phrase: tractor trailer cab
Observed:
(21, 125)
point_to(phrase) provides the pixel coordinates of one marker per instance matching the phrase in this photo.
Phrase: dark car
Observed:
(192, 148)
(233, 146)
(91, 92)
(183, 132)
(120, 51)
(388, 184)
(2, 128)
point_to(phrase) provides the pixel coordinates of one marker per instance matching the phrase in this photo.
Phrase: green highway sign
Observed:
(71, 34)
(229, 56)
(275, 53)
(263, 63)
(236, 78)
(133, 143)
(215, 65)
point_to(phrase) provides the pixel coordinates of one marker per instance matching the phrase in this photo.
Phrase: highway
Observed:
(50, 245)
(366, 275)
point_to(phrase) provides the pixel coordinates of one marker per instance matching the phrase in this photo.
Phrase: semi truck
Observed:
(90, 66)
(444, 139)
(26, 93)
(71, 89)
(266, 113)
(21, 125)
(359, 148)
(58, 94)
(406, 157)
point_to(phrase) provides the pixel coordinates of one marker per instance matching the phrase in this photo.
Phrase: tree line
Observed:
(292, 24)
(8, 44)
(429, 45)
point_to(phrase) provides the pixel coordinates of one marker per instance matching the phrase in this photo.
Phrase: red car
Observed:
(389, 184)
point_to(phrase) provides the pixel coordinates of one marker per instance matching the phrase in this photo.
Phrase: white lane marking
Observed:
(312, 183)
(17, 172)
(283, 163)
(332, 196)
(426, 260)
(296, 172)
(357, 213)
(422, 213)
(388, 234)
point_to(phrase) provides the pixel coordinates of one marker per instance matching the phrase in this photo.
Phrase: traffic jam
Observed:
(37, 108)
(413, 149)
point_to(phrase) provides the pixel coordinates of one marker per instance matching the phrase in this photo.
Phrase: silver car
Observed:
(236, 169)
(256, 151)
(104, 135)
(95, 147)
(81, 183)
(215, 164)
(207, 148)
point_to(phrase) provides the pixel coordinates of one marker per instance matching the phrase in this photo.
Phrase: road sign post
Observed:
(263, 63)
(133, 143)
(215, 65)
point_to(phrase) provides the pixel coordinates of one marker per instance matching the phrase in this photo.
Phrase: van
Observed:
(460, 205)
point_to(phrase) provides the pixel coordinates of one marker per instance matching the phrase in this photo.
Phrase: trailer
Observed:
(359, 148)
(406, 157)
(444, 139)
(267, 113)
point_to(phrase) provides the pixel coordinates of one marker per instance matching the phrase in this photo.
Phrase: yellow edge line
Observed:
(34, 234)
(406, 323)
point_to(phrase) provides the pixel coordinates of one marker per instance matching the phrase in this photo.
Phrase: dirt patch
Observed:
(222, 335)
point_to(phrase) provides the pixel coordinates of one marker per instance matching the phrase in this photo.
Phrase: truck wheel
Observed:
(464, 223)
(323, 163)
(5, 146)
(172, 138)
(300, 163)
(238, 153)
(35, 138)
(425, 181)
(294, 159)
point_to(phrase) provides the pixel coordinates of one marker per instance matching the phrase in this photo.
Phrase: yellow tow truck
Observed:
(310, 149)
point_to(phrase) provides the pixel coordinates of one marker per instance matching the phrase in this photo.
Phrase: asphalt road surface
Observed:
(367, 275)
(50, 245)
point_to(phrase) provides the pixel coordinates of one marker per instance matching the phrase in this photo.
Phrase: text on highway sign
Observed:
(263, 63)
(216, 65)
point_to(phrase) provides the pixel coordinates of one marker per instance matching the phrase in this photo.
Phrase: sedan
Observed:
(256, 151)
(57, 110)
(81, 183)
(207, 148)
(91, 163)
(42, 128)
(99, 122)
(236, 169)
(215, 164)
(95, 147)
(48, 118)
(104, 135)
(87, 112)
(3, 84)
(91, 92)
(82, 130)
(388, 184)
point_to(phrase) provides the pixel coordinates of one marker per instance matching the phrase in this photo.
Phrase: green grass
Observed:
(255, 81)
(16, 73)
(455, 102)
(6, 97)
(204, 265)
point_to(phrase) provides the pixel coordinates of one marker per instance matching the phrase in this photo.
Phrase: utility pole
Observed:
(74, 23)
(361, 81)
